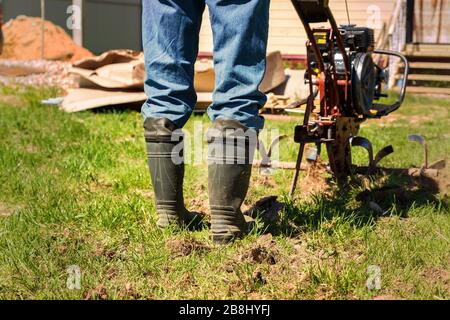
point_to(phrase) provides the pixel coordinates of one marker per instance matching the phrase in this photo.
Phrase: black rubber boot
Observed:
(166, 167)
(230, 156)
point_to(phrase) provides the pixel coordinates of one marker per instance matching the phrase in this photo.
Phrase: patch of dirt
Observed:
(385, 297)
(301, 255)
(7, 210)
(31, 149)
(199, 205)
(99, 185)
(200, 202)
(264, 180)
(111, 273)
(146, 193)
(12, 101)
(102, 250)
(411, 119)
(98, 293)
(443, 182)
(387, 120)
(128, 292)
(258, 278)
(187, 281)
(185, 247)
(419, 119)
(436, 276)
(324, 292)
(263, 251)
(315, 181)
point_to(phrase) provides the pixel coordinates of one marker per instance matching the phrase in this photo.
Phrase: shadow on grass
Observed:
(120, 108)
(359, 204)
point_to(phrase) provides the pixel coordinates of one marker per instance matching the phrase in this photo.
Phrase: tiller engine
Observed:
(342, 75)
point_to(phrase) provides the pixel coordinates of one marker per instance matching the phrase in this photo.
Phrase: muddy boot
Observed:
(230, 154)
(166, 167)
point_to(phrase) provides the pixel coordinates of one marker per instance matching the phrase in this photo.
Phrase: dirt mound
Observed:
(184, 247)
(23, 41)
(263, 251)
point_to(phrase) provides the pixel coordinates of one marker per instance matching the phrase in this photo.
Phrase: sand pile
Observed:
(23, 41)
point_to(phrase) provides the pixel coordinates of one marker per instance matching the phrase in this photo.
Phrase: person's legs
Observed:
(240, 30)
(170, 37)
(170, 32)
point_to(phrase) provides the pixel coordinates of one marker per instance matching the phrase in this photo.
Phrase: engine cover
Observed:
(358, 39)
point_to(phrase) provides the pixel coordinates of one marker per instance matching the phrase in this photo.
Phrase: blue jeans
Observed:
(170, 40)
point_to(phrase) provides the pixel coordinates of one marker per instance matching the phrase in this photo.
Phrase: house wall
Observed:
(286, 32)
(432, 21)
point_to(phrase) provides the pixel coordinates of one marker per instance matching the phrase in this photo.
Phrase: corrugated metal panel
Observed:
(107, 24)
(112, 24)
(286, 32)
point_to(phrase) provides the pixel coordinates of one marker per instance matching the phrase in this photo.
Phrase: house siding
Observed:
(286, 32)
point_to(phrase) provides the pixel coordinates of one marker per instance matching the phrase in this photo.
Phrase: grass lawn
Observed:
(75, 191)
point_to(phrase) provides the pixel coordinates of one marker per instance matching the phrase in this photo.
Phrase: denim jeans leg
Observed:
(240, 32)
(170, 34)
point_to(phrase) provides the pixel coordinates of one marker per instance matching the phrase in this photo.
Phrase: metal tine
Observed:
(438, 165)
(383, 153)
(265, 159)
(274, 143)
(421, 140)
(366, 144)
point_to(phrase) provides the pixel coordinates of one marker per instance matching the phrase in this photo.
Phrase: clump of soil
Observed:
(262, 251)
(185, 247)
(98, 292)
(23, 41)
(443, 182)
(129, 292)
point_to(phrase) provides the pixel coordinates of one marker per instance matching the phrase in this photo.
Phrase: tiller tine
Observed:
(373, 161)
(421, 140)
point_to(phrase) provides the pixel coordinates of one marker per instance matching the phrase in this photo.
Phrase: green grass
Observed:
(75, 191)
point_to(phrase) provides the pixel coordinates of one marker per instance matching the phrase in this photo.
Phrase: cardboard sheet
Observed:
(117, 77)
(86, 98)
